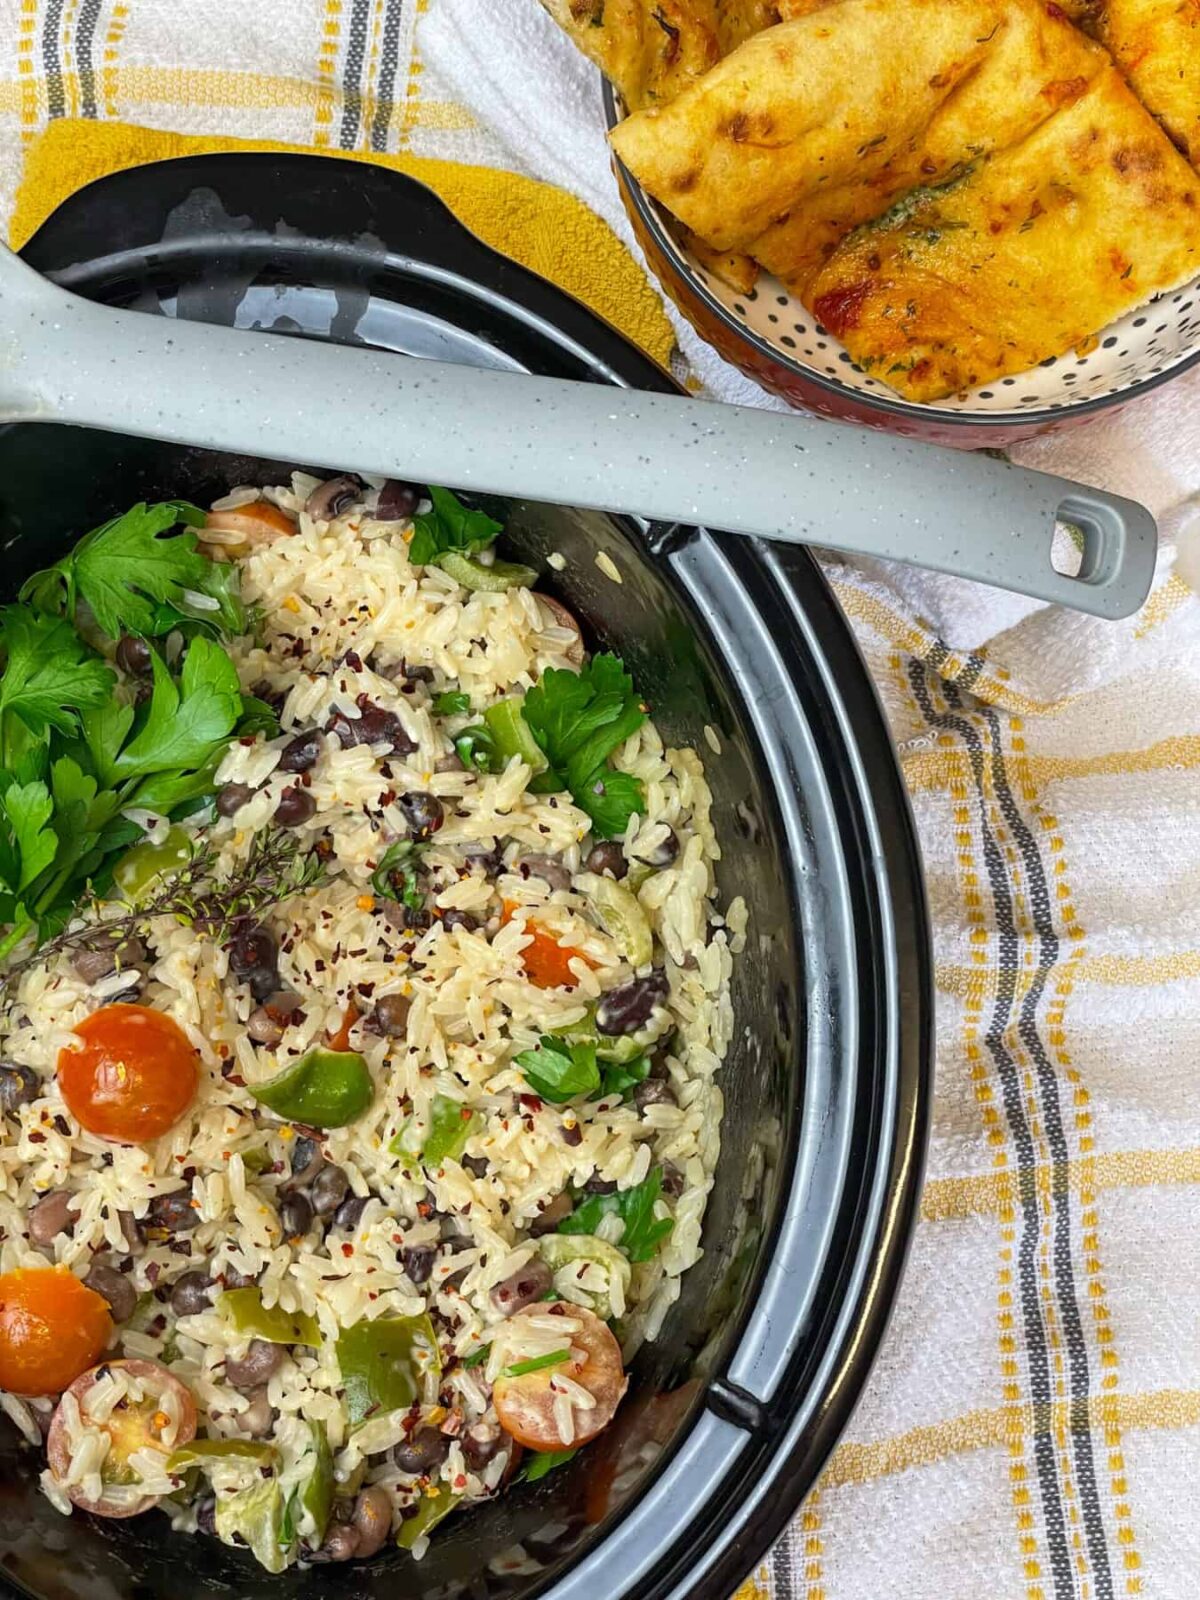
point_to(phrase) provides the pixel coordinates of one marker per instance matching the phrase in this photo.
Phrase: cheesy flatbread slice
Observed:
(1023, 257)
(1033, 62)
(824, 101)
(1156, 43)
(649, 49)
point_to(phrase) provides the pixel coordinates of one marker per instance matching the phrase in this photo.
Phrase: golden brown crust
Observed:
(1156, 43)
(1024, 257)
(649, 49)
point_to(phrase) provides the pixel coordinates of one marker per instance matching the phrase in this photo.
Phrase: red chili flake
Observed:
(223, 1051)
(37, 1138)
(347, 1249)
(531, 1102)
(460, 1482)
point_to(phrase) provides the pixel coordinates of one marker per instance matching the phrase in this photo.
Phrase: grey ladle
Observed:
(65, 359)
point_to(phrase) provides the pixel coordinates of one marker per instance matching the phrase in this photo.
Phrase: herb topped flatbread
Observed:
(1156, 43)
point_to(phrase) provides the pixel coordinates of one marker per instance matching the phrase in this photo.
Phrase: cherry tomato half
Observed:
(257, 523)
(134, 1077)
(51, 1328)
(544, 959)
(525, 1404)
(129, 1428)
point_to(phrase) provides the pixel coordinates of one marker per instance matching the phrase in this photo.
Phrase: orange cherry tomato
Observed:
(134, 1077)
(52, 1328)
(525, 1404)
(544, 959)
(257, 523)
(129, 1427)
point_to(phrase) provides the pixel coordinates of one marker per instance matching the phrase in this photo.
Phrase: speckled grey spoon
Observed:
(64, 359)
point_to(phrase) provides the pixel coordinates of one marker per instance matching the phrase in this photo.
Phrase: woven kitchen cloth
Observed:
(1032, 1428)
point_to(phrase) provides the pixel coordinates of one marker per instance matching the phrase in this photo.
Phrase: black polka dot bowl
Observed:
(774, 339)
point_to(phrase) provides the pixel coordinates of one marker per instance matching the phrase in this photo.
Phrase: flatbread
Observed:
(1025, 256)
(1033, 61)
(649, 49)
(824, 101)
(1156, 43)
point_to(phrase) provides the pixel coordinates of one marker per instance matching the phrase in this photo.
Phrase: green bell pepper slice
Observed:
(513, 735)
(324, 1089)
(141, 869)
(473, 574)
(203, 1452)
(312, 1497)
(619, 1047)
(433, 1508)
(560, 1249)
(245, 1310)
(256, 1514)
(451, 1124)
(620, 910)
(379, 1367)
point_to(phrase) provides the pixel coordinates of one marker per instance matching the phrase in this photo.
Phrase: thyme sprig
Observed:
(199, 896)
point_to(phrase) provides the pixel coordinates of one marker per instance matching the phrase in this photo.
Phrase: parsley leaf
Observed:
(395, 878)
(579, 719)
(28, 809)
(450, 526)
(620, 1077)
(452, 703)
(49, 674)
(635, 1207)
(186, 725)
(544, 1461)
(558, 1071)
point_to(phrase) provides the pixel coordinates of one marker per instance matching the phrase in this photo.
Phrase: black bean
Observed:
(50, 1216)
(258, 1418)
(301, 753)
(477, 1166)
(460, 919)
(115, 1287)
(479, 1444)
(422, 1451)
(372, 1521)
(548, 1220)
(191, 1294)
(307, 1160)
(260, 1364)
(349, 1214)
(417, 1261)
(374, 727)
(449, 763)
(171, 1213)
(653, 1092)
(390, 1017)
(609, 858)
(254, 959)
(663, 853)
(108, 952)
(423, 812)
(232, 798)
(341, 1544)
(330, 1188)
(206, 1516)
(523, 1287)
(596, 1185)
(18, 1086)
(133, 656)
(415, 672)
(295, 1216)
(333, 498)
(488, 860)
(547, 868)
(672, 1180)
(630, 1005)
(397, 501)
(295, 806)
(231, 1278)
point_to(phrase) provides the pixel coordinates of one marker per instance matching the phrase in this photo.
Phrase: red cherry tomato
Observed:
(51, 1329)
(129, 1428)
(134, 1077)
(525, 1404)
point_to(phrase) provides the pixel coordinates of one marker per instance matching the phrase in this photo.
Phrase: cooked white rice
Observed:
(342, 609)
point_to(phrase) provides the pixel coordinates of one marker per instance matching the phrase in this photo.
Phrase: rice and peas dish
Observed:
(364, 988)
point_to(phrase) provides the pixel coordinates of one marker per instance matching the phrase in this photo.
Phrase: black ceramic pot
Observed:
(735, 1407)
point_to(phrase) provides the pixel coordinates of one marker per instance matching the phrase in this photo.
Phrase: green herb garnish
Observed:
(558, 1071)
(544, 1461)
(579, 719)
(537, 1363)
(635, 1207)
(450, 525)
(395, 878)
(452, 703)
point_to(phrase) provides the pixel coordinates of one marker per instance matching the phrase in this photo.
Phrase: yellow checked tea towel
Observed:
(1032, 1429)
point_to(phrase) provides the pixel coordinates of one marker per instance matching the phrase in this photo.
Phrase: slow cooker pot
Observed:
(734, 1409)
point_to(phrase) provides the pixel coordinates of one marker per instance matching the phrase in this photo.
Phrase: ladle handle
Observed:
(674, 460)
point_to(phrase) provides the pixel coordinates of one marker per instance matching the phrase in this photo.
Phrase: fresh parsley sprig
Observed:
(450, 526)
(635, 1207)
(579, 719)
